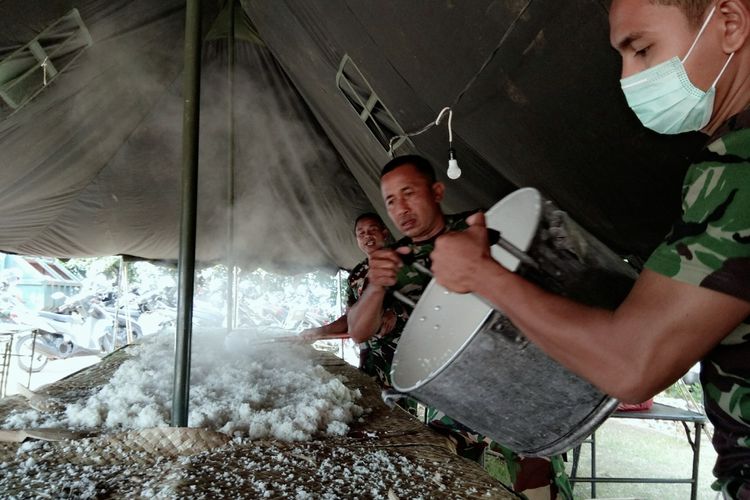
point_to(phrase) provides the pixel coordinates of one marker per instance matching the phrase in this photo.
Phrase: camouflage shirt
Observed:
(411, 283)
(355, 283)
(709, 246)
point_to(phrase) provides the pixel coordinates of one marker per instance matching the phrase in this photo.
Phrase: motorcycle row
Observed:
(87, 323)
(98, 322)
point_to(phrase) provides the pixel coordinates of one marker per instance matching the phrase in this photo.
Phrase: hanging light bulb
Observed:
(454, 172)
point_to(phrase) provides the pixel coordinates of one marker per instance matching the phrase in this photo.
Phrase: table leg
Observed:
(696, 459)
(6, 366)
(593, 464)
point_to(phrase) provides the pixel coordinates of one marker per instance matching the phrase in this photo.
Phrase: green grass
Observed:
(678, 391)
(626, 450)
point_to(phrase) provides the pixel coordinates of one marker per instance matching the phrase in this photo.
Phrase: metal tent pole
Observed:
(123, 292)
(231, 264)
(188, 212)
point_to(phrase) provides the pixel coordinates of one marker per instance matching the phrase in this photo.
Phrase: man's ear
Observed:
(438, 191)
(735, 16)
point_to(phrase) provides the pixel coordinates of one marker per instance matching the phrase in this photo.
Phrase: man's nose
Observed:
(628, 68)
(401, 207)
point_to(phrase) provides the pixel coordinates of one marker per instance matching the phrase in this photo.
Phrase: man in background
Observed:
(371, 234)
(412, 197)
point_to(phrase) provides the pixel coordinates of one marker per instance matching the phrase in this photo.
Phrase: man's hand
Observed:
(311, 334)
(366, 315)
(460, 257)
(384, 266)
(389, 321)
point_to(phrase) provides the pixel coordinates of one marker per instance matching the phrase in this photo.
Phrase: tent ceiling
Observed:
(91, 166)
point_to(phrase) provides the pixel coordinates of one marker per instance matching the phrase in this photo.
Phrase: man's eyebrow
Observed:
(625, 42)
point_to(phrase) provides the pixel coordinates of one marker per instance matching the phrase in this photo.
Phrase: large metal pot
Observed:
(461, 356)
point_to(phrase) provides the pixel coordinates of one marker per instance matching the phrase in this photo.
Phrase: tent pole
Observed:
(231, 267)
(188, 213)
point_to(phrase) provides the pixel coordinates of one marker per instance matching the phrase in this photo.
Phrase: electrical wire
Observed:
(426, 128)
(469, 84)
(492, 55)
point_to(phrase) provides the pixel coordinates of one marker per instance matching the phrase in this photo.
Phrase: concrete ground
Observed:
(54, 370)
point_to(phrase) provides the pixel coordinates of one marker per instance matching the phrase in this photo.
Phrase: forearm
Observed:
(660, 330)
(340, 325)
(366, 315)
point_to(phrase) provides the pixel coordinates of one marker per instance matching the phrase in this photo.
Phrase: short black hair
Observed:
(421, 163)
(694, 10)
(369, 215)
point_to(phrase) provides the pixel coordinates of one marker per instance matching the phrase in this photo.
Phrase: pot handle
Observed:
(494, 238)
(391, 397)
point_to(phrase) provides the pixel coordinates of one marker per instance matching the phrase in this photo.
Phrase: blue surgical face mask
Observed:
(665, 100)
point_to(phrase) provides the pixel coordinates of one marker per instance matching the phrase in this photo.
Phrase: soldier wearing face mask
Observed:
(662, 96)
(685, 67)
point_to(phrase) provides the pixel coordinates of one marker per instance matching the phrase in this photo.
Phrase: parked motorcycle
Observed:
(299, 317)
(81, 327)
(158, 311)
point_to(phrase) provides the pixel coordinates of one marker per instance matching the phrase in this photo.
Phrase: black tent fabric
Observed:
(546, 111)
(91, 165)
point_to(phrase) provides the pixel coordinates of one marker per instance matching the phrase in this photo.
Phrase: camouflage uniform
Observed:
(355, 283)
(410, 283)
(709, 246)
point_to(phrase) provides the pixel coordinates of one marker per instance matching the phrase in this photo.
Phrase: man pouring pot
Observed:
(685, 67)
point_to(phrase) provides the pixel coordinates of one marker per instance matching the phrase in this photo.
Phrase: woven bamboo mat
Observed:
(387, 454)
(74, 388)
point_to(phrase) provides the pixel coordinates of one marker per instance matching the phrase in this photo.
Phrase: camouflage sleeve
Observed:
(709, 245)
(354, 282)
(351, 298)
